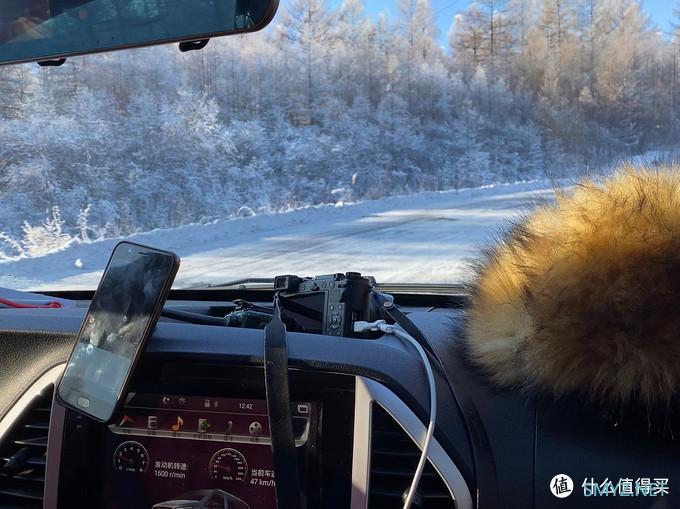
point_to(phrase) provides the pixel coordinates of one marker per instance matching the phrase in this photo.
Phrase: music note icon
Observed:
(178, 425)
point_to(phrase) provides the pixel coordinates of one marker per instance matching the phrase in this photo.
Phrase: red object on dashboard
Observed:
(20, 305)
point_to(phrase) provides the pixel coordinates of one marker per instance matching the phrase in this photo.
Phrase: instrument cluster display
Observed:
(173, 451)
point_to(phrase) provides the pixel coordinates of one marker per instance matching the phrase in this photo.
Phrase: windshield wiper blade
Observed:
(260, 282)
(453, 289)
(403, 288)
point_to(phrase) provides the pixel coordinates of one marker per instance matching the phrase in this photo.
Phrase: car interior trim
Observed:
(361, 457)
(54, 448)
(369, 392)
(50, 377)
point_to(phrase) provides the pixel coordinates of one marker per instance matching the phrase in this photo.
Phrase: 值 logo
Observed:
(561, 486)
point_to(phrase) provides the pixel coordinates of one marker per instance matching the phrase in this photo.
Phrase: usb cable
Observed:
(383, 326)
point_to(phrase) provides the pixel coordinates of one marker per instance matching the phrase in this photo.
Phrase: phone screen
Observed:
(122, 314)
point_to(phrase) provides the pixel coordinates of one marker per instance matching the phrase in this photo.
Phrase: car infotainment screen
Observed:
(173, 451)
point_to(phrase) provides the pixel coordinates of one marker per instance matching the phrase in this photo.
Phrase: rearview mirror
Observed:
(36, 30)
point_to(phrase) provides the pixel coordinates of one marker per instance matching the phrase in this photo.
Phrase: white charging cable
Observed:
(383, 326)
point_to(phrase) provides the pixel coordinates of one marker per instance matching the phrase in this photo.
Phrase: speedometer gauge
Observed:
(228, 465)
(131, 457)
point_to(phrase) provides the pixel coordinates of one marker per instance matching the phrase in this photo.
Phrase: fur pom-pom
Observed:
(583, 295)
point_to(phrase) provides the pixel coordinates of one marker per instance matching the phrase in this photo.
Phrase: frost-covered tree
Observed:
(329, 104)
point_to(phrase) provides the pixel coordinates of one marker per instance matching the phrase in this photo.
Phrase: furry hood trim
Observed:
(583, 296)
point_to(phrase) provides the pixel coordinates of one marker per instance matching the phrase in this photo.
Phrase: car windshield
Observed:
(393, 138)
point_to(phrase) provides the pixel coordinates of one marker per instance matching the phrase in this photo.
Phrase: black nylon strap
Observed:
(388, 308)
(288, 488)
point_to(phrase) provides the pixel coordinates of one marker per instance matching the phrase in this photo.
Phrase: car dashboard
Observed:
(194, 430)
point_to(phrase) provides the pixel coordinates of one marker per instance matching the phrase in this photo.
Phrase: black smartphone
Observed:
(121, 318)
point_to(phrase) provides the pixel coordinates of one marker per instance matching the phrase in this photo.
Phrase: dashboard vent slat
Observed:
(23, 455)
(16, 487)
(394, 457)
(38, 425)
(33, 442)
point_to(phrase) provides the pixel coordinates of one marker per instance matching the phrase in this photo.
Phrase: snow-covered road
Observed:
(426, 237)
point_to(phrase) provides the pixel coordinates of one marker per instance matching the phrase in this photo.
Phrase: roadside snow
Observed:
(426, 237)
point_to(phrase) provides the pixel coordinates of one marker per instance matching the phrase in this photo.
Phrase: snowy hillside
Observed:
(420, 238)
(331, 103)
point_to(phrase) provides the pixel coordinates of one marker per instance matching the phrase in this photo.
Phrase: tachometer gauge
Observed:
(228, 465)
(131, 457)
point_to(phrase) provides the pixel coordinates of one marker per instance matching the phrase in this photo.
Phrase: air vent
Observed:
(394, 457)
(23, 452)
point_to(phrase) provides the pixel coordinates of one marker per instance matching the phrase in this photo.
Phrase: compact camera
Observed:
(327, 305)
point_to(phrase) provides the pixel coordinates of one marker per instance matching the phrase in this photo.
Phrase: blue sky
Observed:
(661, 11)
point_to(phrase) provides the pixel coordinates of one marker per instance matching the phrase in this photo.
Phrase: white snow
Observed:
(427, 237)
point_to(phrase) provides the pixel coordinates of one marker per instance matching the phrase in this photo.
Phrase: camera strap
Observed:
(286, 473)
(390, 310)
